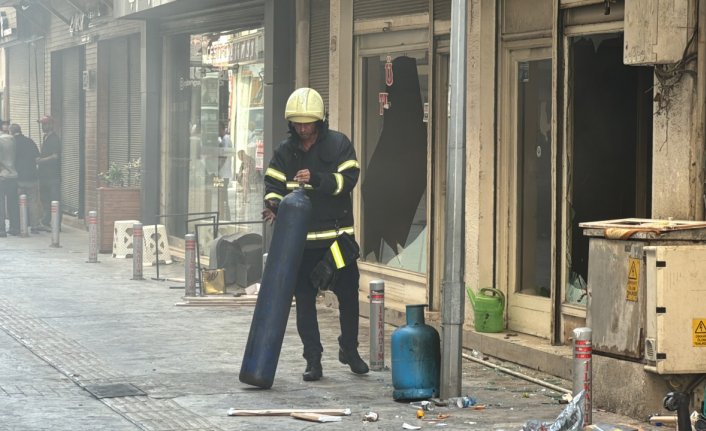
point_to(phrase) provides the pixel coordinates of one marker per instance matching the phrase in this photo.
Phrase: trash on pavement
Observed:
(565, 399)
(410, 427)
(315, 417)
(570, 419)
(371, 417)
(663, 419)
(427, 406)
(461, 402)
(287, 412)
(610, 427)
(253, 289)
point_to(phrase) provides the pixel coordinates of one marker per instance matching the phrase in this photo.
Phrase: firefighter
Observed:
(323, 160)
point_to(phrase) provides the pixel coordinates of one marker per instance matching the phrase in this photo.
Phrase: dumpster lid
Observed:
(639, 228)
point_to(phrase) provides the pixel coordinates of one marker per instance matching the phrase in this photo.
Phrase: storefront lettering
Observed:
(223, 54)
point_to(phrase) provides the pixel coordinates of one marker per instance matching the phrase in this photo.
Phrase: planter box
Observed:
(115, 204)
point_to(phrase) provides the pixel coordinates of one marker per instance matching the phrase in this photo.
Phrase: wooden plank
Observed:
(315, 417)
(287, 412)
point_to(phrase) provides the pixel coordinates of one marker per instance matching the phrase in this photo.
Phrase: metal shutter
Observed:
(319, 27)
(135, 102)
(124, 102)
(18, 59)
(26, 87)
(442, 9)
(118, 97)
(71, 145)
(366, 9)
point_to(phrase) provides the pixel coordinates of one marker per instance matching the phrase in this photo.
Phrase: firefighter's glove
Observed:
(324, 274)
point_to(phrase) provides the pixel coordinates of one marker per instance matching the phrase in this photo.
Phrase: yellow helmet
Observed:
(305, 105)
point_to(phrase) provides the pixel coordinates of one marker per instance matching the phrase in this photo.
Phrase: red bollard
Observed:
(92, 237)
(137, 242)
(583, 357)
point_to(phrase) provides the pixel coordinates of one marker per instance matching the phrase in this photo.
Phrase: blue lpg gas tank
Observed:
(416, 358)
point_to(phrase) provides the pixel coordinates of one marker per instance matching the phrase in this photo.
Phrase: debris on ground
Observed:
(287, 412)
(370, 417)
(315, 417)
(570, 419)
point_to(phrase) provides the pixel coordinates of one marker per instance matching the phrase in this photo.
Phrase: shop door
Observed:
(68, 100)
(526, 184)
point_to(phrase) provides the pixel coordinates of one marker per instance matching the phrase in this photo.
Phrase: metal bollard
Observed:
(190, 265)
(137, 245)
(377, 325)
(24, 230)
(583, 356)
(92, 237)
(55, 224)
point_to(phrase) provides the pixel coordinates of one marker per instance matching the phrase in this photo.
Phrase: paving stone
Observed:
(66, 326)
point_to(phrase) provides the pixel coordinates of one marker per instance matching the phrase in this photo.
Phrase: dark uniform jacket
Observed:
(334, 172)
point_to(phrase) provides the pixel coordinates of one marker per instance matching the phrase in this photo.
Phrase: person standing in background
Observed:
(49, 169)
(8, 186)
(26, 157)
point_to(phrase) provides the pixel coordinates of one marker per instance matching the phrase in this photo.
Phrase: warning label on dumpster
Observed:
(632, 287)
(699, 332)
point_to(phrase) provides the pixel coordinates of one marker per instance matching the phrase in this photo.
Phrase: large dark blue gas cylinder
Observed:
(274, 299)
(416, 358)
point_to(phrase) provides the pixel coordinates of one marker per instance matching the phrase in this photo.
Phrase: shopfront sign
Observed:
(230, 51)
(8, 23)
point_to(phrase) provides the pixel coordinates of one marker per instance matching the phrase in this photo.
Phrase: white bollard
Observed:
(190, 265)
(24, 230)
(55, 224)
(377, 325)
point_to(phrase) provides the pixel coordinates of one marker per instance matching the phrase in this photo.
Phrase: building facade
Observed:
(577, 111)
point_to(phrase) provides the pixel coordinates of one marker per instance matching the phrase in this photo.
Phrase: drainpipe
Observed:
(452, 309)
(701, 99)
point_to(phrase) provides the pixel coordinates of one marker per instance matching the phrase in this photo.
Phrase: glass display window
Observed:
(215, 140)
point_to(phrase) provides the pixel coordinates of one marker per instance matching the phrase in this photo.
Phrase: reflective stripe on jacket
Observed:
(334, 172)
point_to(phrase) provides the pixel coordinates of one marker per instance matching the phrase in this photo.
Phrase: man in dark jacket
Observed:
(27, 154)
(49, 169)
(325, 162)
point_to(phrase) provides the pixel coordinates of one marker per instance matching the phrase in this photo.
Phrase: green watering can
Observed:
(488, 309)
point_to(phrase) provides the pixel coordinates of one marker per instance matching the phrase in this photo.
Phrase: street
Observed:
(84, 347)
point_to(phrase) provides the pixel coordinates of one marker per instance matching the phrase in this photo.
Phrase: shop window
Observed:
(216, 108)
(394, 157)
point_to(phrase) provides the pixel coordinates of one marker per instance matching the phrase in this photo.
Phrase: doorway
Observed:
(526, 179)
(610, 132)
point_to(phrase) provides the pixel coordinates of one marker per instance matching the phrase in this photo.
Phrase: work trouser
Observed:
(31, 190)
(9, 200)
(346, 290)
(49, 191)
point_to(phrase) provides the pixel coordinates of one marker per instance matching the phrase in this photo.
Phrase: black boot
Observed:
(314, 371)
(353, 360)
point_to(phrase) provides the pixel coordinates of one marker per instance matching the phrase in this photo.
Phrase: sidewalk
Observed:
(84, 347)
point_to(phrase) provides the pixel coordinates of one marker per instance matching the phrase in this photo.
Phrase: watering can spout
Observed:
(471, 296)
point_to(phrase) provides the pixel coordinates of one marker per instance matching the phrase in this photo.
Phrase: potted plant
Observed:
(118, 199)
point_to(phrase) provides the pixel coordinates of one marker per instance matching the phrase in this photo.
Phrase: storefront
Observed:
(393, 105)
(214, 145)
